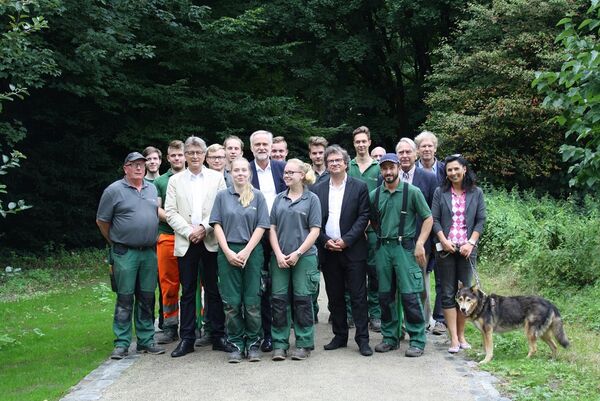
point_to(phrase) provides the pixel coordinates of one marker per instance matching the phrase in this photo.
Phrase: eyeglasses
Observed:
(136, 165)
(291, 172)
(194, 153)
(335, 161)
(215, 157)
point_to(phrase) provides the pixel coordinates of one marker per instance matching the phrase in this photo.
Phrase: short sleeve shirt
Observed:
(133, 214)
(294, 219)
(239, 222)
(390, 205)
(161, 184)
(370, 175)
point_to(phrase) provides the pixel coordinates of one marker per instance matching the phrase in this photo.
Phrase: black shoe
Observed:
(166, 336)
(119, 353)
(221, 344)
(385, 347)
(267, 345)
(183, 348)
(335, 343)
(150, 349)
(254, 354)
(413, 352)
(365, 349)
(203, 341)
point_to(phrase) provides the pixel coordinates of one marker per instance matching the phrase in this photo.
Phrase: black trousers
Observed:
(343, 275)
(188, 276)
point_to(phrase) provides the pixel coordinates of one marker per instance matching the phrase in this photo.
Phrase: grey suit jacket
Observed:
(441, 210)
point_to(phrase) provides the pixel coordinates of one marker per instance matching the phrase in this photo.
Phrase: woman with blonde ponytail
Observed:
(295, 226)
(240, 217)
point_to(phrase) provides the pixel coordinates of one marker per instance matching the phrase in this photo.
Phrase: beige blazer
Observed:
(178, 208)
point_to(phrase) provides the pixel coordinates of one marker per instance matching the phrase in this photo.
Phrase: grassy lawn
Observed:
(56, 327)
(574, 375)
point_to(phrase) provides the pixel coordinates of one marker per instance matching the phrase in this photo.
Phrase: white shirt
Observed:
(336, 196)
(266, 184)
(196, 183)
(411, 174)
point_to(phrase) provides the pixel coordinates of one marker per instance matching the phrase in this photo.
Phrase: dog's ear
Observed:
(475, 289)
(460, 285)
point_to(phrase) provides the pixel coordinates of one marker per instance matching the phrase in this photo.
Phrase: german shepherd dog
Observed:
(495, 313)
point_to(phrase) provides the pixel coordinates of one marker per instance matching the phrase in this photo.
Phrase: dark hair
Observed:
(469, 180)
(337, 149)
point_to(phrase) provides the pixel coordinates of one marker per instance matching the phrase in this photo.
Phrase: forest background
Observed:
(87, 81)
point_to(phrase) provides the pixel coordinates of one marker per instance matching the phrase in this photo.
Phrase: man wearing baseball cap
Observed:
(128, 219)
(395, 206)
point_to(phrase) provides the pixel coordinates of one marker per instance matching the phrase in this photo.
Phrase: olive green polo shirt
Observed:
(370, 175)
(390, 205)
(161, 184)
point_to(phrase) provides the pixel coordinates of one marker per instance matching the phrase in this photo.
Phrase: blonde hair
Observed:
(247, 194)
(215, 147)
(309, 174)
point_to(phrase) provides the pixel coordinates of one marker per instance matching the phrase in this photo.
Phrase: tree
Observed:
(480, 99)
(574, 92)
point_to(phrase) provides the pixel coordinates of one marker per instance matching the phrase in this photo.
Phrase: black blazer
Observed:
(353, 219)
(277, 172)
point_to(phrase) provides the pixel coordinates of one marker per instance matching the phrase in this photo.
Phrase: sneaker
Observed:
(254, 354)
(438, 329)
(300, 354)
(150, 349)
(235, 357)
(413, 352)
(166, 337)
(279, 354)
(119, 353)
(375, 325)
(385, 347)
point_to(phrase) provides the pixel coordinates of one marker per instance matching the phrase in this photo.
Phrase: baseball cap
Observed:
(389, 157)
(133, 156)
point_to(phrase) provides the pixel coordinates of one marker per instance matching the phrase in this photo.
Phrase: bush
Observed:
(549, 242)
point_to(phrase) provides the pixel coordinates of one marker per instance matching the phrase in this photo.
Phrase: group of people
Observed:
(257, 235)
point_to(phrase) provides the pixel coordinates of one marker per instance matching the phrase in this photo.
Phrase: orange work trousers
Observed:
(168, 276)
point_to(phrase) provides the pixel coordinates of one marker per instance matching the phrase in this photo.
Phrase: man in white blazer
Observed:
(190, 197)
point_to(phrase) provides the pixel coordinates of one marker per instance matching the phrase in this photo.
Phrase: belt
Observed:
(393, 240)
(136, 248)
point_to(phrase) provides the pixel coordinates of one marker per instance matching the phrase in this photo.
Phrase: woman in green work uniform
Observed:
(240, 217)
(295, 226)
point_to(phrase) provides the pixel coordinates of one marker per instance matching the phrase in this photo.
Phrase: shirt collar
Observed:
(258, 168)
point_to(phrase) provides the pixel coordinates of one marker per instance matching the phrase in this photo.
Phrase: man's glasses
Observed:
(136, 165)
(335, 161)
(215, 157)
(194, 153)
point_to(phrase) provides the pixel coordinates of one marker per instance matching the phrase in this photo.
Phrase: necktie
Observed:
(405, 177)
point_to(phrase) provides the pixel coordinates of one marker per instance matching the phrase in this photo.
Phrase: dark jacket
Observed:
(277, 172)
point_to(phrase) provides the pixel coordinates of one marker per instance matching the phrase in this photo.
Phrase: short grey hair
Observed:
(337, 149)
(407, 140)
(194, 141)
(261, 132)
(426, 135)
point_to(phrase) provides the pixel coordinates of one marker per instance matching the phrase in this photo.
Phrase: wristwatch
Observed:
(298, 253)
(470, 241)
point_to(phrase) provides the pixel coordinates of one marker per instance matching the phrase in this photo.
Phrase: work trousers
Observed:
(188, 276)
(136, 276)
(398, 269)
(304, 279)
(343, 275)
(240, 291)
(168, 275)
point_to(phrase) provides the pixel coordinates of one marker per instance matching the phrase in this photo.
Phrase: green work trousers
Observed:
(136, 274)
(398, 269)
(240, 292)
(304, 280)
(372, 284)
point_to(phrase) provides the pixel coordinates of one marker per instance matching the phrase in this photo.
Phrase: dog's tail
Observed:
(558, 329)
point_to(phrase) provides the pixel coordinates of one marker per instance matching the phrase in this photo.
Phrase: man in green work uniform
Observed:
(128, 219)
(394, 208)
(365, 168)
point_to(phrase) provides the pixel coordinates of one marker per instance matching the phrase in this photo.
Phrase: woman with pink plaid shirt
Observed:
(458, 211)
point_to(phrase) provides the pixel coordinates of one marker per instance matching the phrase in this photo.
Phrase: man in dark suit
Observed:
(426, 181)
(267, 176)
(343, 248)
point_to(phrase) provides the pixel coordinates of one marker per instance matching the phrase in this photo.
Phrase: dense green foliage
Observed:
(549, 243)
(575, 92)
(481, 101)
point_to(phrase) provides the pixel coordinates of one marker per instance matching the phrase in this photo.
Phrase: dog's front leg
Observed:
(488, 344)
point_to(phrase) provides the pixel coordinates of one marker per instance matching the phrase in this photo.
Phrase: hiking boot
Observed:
(351, 323)
(279, 354)
(385, 347)
(300, 354)
(166, 337)
(413, 352)
(438, 329)
(254, 354)
(203, 341)
(375, 325)
(235, 357)
(150, 349)
(119, 353)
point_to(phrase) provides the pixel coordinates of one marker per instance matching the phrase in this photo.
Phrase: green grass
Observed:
(574, 375)
(56, 326)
